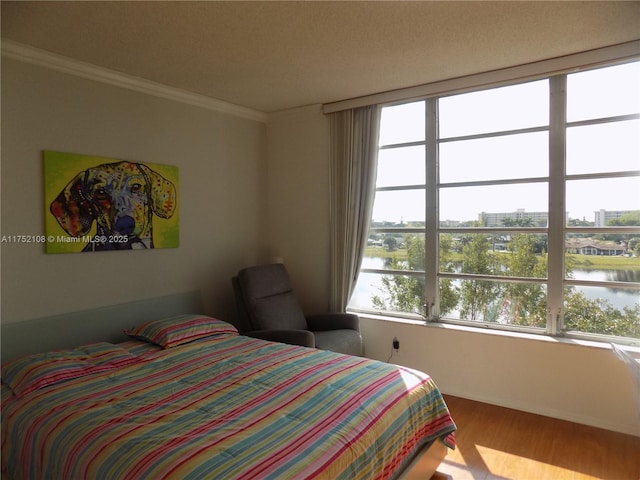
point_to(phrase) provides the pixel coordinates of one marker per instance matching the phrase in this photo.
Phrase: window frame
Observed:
(556, 228)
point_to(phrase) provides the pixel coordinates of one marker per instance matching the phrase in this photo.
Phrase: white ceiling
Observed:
(271, 56)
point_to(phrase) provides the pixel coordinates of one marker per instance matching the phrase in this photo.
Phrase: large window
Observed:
(515, 207)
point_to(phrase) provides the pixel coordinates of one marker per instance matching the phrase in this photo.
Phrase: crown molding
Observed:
(43, 58)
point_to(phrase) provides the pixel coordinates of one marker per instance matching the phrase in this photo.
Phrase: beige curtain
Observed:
(354, 156)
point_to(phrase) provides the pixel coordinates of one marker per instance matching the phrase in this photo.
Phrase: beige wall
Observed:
(568, 381)
(221, 160)
(298, 192)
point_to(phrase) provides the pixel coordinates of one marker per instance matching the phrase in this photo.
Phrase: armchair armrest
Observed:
(333, 321)
(303, 338)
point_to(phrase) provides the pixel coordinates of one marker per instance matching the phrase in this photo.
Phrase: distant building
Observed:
(603, 216)
(450, 223)
(497, 219)
(589, 246)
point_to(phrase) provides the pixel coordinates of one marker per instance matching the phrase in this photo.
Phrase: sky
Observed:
(606, 147)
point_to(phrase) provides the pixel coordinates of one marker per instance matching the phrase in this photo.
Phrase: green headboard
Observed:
(100, 324)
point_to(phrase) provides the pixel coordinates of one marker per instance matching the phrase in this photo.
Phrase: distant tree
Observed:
(403, 293)
(634, 245)
(477, 296)
(631, 219)
(518, 222)
(574, 222)
(406, 293)
(526, 301)
(599, 316)
(518, 303)
(446, 289)
(391, 243)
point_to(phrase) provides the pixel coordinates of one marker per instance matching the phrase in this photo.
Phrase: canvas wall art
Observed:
(97, 204)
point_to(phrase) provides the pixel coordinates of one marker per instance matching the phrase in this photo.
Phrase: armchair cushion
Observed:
(269, 300)
(293, 337)
(277, 312)
(333, 321)
(344, 341)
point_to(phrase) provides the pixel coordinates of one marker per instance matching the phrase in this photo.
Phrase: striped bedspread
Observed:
(225, 408)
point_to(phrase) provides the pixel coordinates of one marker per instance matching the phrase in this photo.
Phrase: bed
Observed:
(188, 397)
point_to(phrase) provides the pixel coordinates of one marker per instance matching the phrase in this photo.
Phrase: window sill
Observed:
(540, 337)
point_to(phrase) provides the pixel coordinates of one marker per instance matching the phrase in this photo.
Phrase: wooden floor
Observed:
(500, 443)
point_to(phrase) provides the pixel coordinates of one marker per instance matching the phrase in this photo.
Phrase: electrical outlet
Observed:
(396, 344)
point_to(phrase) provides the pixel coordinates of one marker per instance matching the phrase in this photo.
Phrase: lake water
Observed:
(369, 284)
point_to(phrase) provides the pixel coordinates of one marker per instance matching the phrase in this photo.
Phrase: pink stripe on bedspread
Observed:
(226, 408)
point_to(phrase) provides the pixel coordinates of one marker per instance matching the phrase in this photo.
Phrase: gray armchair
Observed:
(268, 309)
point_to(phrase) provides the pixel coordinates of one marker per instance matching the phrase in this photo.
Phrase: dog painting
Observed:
(109, 204)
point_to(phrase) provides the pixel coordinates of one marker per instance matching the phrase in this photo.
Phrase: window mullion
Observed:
(533, 145)
(432, 210)
(557, 207)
